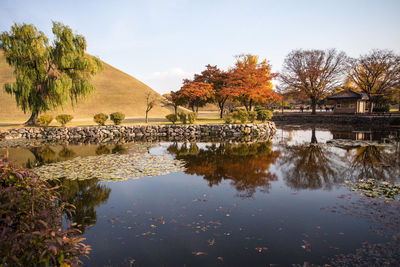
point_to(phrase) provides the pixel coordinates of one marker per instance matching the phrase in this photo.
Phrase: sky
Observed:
(163, 42)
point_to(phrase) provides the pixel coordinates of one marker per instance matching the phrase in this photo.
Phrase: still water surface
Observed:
(282, 202)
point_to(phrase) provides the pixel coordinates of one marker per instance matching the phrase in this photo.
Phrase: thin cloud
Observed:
(165, 81)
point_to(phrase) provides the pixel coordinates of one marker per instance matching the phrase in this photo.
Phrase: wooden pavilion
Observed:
(349, 102)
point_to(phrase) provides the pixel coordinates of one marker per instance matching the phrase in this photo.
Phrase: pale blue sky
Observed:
(162, 42)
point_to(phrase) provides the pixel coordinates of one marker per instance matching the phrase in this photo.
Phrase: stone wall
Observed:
(301, 118)
(100, 134)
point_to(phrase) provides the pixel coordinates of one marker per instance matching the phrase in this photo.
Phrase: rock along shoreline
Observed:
(103, 134)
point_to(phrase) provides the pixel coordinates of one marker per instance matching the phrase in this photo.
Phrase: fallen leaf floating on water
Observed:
(199, 253)
(199, 200)
(114, 167)
(261, 249)
(220, 258)
(211, 242)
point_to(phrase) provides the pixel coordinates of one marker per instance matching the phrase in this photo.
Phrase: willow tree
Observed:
(47, 75)
(313, 73)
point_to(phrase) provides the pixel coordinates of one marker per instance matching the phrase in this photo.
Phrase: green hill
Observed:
(115, 91)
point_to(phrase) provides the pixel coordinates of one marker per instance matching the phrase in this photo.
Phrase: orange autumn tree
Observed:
(175, 100)
(251, 81)
(225, 161)
(196, 94)
(219, 81)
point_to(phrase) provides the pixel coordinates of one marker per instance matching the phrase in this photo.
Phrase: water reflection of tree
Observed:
(245, 165)
(46, 155)
(117, 149)
(375, 162)
(85, 195)
(309, 166)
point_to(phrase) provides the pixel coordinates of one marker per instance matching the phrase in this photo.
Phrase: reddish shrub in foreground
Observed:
(31, 231)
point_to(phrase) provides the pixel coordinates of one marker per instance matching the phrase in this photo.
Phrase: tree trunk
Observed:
(221, 109)
(371, 106)
(176, 110)
(313, 104)
(33, 119)
(313, 137)
(147, 120)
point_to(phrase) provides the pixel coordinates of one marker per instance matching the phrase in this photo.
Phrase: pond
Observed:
(284, 202)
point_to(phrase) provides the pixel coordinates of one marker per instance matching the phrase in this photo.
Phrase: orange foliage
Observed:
(251, 81)
(196, 94)
(219, 80)
(245, 165)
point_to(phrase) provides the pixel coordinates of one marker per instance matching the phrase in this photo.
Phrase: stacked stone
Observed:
(112, 132)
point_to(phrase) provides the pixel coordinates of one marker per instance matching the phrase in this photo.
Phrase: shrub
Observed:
(117, 117)
(228, 120)
(192, 117)
(172, 118)
(264, 115)
(31, 223)
(64, 119)
(45, 120)
(252, 116)
(182, 117)
(383, 108)
(100, 118)
(243, 116)
(235, 115)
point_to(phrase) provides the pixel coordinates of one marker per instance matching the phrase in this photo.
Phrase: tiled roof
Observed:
(348, 94)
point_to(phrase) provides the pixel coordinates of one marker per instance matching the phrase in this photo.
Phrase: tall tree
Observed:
(196, 94)
(314, 73)
(375, 74)
(251, 81)
(150, 99)
(219, 81)
(47, 76)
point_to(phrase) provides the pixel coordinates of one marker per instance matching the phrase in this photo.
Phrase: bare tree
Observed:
(313, 73)
(375, 73)
(150, 102)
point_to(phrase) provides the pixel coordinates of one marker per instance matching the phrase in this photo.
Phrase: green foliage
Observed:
(192, 117)
(382, 108)
(252, 116)
(47, 76)
(100, 118)
(228, 120)
(172, 118)
(243, 116)
(64, 119)
(45, 120)
(31, 223)
(264, 115)
(117, 117)
(183, 117)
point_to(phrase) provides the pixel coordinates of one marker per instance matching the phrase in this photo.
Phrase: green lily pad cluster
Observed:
(373, 188)
(112, 167)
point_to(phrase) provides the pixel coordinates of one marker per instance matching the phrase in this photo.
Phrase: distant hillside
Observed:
(115, 91)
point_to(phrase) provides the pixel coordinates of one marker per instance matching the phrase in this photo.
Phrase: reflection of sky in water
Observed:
(295, 137)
